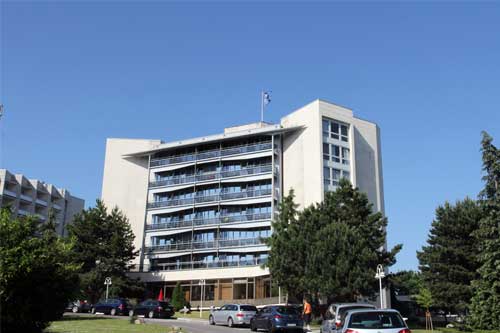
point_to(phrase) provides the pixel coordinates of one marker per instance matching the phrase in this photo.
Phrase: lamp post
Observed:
(380, 274)
(202, 284)
(107, 282)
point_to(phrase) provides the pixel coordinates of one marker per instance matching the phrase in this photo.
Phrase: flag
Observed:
(160, 295)
(267, 98)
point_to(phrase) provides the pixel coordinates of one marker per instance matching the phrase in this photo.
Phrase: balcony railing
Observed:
(189, 265)
(211, 176)
(211, 154)
(10, 193)
(209, 198)
(26, 198)
(216, 243)
(209, 221)
(41, 202)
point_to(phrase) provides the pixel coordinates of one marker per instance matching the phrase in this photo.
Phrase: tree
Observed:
(312, 251)
(104, 244)
(449, 260)
(486, 300)
(38, 275)
(405, 282)
(426, 300)
(287, 258)
(178, 301)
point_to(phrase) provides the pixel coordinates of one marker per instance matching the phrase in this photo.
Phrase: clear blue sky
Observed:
(74, 74)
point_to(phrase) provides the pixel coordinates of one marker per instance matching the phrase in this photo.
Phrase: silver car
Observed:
(374, 321)
(334, 316)
(233, 314)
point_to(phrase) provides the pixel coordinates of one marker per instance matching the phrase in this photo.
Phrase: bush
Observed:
(37, 274)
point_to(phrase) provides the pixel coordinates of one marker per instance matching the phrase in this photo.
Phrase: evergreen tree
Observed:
(38, 275)
(104, 244)
(486, 300)
(449, 260)
(178, 301)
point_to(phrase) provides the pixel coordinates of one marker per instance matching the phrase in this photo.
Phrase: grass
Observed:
(194, 315)
(71, 324)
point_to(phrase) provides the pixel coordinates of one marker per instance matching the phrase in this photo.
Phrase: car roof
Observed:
(372, 310)
(351, 304)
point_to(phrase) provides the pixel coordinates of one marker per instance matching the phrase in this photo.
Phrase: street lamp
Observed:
(107, 282)
(202, 284)
(380, 274)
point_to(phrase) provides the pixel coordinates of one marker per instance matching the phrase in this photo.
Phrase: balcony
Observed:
(211, 221)
(9, 193)
(209, 198)
(177, 180)
(23, 212)
(211, 154)
(41, 202)
(56, 206)
(190, 265)
(216, 243)
(26, 198)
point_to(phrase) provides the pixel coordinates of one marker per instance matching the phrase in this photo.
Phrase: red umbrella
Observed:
(160, 295)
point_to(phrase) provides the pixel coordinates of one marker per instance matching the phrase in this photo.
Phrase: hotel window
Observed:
(326, 176)
(345, 156)
(326, 151)
(326, 128)
(335, 177)
(344, 133)
(336, 153)
(336, 130)
(346, 175)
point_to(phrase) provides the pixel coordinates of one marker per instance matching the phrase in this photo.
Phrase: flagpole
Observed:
(262, 106)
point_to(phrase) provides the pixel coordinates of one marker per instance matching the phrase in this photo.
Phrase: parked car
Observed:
(232, 314)
(277, 317)
(79, 306)
(152, 309)
(366, 321)
(334, 316)
(112, 306)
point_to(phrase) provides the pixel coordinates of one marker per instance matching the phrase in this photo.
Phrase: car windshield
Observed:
(248, 308)
(164, 304)
(376, 320)
(287, 310)
(343, 310)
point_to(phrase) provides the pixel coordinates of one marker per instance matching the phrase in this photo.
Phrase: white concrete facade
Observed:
(199, 208)
(34, 197)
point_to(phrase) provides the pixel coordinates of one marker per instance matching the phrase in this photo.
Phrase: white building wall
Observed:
(125, 182)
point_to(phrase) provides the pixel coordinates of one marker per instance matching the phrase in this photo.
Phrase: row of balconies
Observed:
(216, 243)
(192, 178)
(208, 154)
(210, 221)
(189, 265)
(29, 199)
(209, 198)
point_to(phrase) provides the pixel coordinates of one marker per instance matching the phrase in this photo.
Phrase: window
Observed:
(345, 156)
(346, 175)
(335, 130)
(326, 151)
(326, 176)
(336, 153)
(343, 132)
(376, 320)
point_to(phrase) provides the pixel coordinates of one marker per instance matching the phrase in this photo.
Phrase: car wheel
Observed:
(211, 320)
(74, 309)
(92, 311)
(252, 326)
(131, 313)
(230, 322)
(151, 314)
(112, 312)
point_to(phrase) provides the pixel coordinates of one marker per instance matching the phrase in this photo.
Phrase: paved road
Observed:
(190, 325)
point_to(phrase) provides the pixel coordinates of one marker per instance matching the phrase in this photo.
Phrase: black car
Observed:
(277, 317)
(152, 309)
(78, 306)
(112, 306)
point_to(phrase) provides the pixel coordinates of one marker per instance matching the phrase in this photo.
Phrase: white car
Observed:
(233, 314)
(374, 321)
(334, 316)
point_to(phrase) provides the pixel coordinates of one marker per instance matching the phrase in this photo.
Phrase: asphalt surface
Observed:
(190, 325)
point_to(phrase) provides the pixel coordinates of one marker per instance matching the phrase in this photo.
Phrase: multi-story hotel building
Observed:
(200, 208)
(34, 197)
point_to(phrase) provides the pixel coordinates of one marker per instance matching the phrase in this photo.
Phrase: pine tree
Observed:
(486, 300)
(178, 301)
(449, 260)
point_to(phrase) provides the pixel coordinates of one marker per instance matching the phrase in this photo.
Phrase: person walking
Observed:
(307, 314)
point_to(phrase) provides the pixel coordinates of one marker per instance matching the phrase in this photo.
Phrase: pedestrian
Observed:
(307, 314)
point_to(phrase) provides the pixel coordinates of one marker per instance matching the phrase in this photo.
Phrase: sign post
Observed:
(202, 284)
(380, 274)
(107, 282)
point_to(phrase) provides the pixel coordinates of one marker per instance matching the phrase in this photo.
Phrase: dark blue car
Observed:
(112, 306)
(278, 318)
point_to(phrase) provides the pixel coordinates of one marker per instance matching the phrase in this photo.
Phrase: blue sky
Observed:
(75, 73)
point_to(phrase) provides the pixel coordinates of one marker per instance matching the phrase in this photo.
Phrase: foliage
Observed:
(424, 298)
(405, 282)
(104, 244)
(312, 250)
(486, 300)
(178, 300)
(37, 273)
(449, 260)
